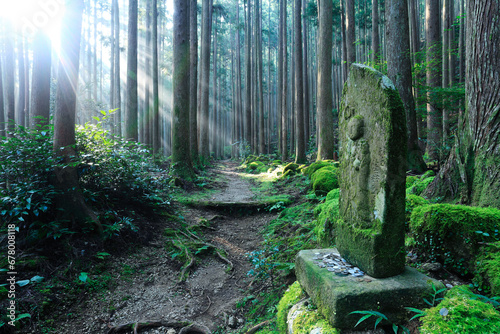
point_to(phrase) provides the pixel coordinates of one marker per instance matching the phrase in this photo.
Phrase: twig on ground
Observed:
(255, 328)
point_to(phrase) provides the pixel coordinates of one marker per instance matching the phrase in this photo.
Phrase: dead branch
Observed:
(255, 328)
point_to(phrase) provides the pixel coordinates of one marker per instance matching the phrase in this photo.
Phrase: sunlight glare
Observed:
(29, 16)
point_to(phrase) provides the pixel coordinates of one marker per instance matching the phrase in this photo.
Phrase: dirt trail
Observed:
(149, 290)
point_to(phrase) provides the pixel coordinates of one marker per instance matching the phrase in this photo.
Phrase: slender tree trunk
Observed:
(300, 153)
(284, 92)
(117, 77)
(375, 33)
(399, 70)
(433, 77)
(9, 80)
(248, 77)
(193, 80)
(260, 96)
(40, 89)
(156, 137)
(345, 67)
(21, 97)
(461, 46)
(2, 108)
(239, 103)
(305, 75)
(350, 32)
(325, 115)
(131, 120)
(146, 115)
(71, 199)
(205, 76)
(445, 25)
(281, 69)
(214, 132)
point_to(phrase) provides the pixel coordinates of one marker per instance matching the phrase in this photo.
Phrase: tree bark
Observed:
(325, 112)
(21, 95)
(350, 26)
(284, 92)
(205, 77)
(40, 89)
(2, 108)
(433, 78)
(399, 71)
(375, 33)
(156, 136)
(260, 89)
(117, 79)
(70, 199)
(9, 83)
(131, 119)
(181, 156)
(193, 81)
(300, 152)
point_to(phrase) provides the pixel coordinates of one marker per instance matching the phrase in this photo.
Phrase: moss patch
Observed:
(419, 185)
(464, 315)
(324, 180)
(412, 201)
(452, 233)
(309, 320)
(291, 297)
(317, 165)
(487, 276)
(326, 215)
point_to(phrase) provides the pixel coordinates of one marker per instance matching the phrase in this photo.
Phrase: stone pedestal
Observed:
(337, 296)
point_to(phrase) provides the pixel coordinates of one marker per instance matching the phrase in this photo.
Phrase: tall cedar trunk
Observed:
(305, 75)
(156, 96)
(248, 77)
(300, 152)
(205, 76)
(461, 43)
(284, 92)
(279, 62)
(112, 60)
(471, 174)
(27, 67)
(181, 157)
(350, 27)
(21, 97)
(399, 70)
(260, 92)
(9, 79)
(433, 77)
(239, 103)
(40, 82)
(452, 46)
(214, 132)
(345, 66)
(445, 25)
(117, 80)
(131, 121)
(325, 114)
(147, 79)
(193, 80)
(70, 200)
(415, 49)
(375, 33)
(94, 60)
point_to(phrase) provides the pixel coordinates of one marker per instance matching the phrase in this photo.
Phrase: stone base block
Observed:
(337, 296)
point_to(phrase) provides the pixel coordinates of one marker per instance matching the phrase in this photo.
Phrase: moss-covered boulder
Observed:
(292, 166)
(326, 215)
(291, 297)
(324, 180)
(309, 170)
(487, 275)
(419, 185)
(254, 165)
(412, 201)
(459, 313)
(453, 234)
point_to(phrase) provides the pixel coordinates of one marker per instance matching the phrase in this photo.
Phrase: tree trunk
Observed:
(433, 78)
(260, 92)
(156, 134)
(284, 92)
(248, 77)
(350, 26)
(181, 157)
(40, 89)
(471, 174)
(375, 33)
(445, 27)
(131, 120)
(214, 132)
(146, 115)
(9, 83)
(300, 153)
(324, 111)
(117, 79)
(305, 75)
(2, 108)
(205, 76)
(71, 199)
(399, 71)
(21, 97)
(193, 81)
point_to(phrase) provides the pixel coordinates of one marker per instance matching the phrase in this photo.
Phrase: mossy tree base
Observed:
(337, 296)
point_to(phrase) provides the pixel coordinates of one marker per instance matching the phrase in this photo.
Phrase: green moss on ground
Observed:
(324, 180)
(317, 165)
(419, 185)
(311, 319)
(412, 201)
(326, 215)
(291, 297)
(458, 313)
(453, 234)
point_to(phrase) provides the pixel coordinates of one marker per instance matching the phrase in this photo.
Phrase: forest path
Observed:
(147, 281)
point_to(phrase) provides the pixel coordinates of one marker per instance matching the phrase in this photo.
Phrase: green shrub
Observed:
(452, 234)
(459, 313)
(326, 215)
(324, 180)
(291, 297)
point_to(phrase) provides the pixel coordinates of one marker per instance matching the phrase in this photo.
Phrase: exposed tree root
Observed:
(255, 328)
(136, 326)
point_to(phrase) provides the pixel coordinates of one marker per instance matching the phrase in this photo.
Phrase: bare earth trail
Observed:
(148, 287)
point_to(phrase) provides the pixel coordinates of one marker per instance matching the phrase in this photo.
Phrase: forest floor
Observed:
(147, 286)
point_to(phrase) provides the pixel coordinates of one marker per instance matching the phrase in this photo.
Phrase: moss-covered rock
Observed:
(291, 297)
(410, 180)
(324, 180)
(453, 234)
(458, 313)
(254, 165)
(292, 166)
(304, 318)
(419, 185)
(412, 201)
(317, 165)
(487, 276)
(326, 215)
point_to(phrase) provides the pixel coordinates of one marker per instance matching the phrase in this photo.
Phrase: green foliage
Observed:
(487, 275)
(291, 297)
(416, 185)
(461, 312)
(412, 201)
(317, 165)
(453, 233)
(379, 317)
